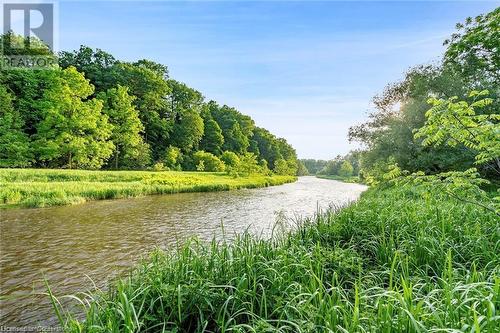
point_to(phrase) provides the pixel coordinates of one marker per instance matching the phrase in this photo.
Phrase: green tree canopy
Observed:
(14, 144)
(74, 132)
(188, 131)
(212, 140)
(127, 128)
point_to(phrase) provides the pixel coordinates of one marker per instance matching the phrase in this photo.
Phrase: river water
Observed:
(77, 246)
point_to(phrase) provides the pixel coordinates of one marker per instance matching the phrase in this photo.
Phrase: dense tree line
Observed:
(471, 62)
(93, 111)
(342, 166)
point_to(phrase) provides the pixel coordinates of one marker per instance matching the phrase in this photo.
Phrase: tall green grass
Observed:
(399, 260)
(46, 187)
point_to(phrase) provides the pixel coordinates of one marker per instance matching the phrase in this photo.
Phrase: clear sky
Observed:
(304, 70)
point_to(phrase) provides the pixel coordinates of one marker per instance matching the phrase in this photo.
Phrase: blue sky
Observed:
(304, 70)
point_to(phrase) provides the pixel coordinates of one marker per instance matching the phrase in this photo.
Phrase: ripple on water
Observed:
(77, 246)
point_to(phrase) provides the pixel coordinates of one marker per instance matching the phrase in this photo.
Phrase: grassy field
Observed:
(46, 187)
(399, 260)
(352, 179)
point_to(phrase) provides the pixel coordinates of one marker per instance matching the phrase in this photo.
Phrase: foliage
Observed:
(455, 122)
(230, 159)
(452, 123)
(207, 162)
(212, 139)
(188, 131)
(49, 187)
(313, 166)
(346, 169)
(284, 167)
(150, 90)
(399, 260)
(340, 168)
(173, 158)
(473, 50)
(248, 165)
(127, 127)
(469, 63)
(96, 65)
(465, 186)
(74, 132)
(280, 167)
(15, 149)
(171, 115)
(301, 169)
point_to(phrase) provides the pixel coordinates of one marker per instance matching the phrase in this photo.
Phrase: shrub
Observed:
(230, 159)
(207, 162)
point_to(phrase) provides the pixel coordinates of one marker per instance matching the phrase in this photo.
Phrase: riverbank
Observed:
(398, 260)
(352, 179)
(49, 187)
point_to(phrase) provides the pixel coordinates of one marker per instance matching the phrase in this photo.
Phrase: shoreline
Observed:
(384, 265)
(37, 188)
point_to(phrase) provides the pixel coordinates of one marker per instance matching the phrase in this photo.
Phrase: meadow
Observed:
(398, 260)
(49, 187)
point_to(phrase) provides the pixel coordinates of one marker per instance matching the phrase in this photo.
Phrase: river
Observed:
(77, 246)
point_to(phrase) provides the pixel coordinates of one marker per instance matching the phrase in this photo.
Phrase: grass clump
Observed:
(47, 187)
(399, 260)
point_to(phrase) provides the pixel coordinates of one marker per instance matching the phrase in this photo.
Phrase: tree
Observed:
(182, 98)
(159, 69)
(14, 144)
(212, 139)
(313, 166)
(188, 131)
(151, 91)
(127, 127)
(74, 132)
(230, 159)
(237, 128)
(470, 62)
(473, 50)
(97, 66)
(173, 158)
(248, 165)
(235, 140)
(301, 169)
(346, 169)
(281, 167)
(27, 86)
(268, 146)
(452, 122)
(400, 110)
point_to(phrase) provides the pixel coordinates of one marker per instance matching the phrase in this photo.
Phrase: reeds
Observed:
(397, 261)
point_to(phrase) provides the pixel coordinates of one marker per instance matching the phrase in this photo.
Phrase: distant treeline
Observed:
(342, 166)
(467, 130)
(93, 111)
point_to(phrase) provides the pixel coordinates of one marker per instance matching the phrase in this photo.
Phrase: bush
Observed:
(158, 166)
(230, 159)
(248, 164)
(207, 162)
(173, 158)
